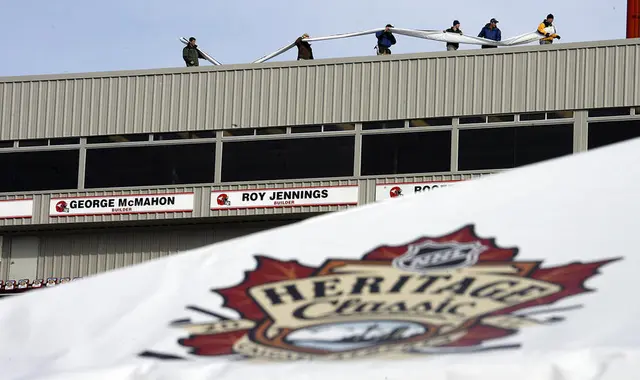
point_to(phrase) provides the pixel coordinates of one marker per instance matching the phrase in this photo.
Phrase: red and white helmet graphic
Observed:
(395, 192)
(223, 200)
(62, 207)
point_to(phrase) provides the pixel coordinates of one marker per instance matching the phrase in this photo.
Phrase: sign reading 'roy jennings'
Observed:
(123, 204)
(292, 197)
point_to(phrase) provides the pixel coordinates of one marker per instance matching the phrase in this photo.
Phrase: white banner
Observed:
(434, 35)
(121, 204)
(15, 209)
(290, 197)
(493, 280)
(394, 190)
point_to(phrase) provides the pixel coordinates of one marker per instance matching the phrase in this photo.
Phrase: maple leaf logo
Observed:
(450, 293)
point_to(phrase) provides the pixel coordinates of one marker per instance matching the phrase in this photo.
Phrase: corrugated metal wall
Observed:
(506, 80)
(82, 254)
(5, 258)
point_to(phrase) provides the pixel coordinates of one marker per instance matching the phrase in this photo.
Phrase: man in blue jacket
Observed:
(491, 32)
(385, 40)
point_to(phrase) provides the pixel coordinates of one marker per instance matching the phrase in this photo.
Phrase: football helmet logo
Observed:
(395, 192)
(223, 200)
(62, 207)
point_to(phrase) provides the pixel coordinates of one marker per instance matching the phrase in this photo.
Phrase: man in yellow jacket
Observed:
(548, 30)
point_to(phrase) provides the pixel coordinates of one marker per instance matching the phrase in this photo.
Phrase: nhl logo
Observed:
(430, 255)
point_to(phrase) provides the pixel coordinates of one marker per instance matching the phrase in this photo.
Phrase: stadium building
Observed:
(105, 170)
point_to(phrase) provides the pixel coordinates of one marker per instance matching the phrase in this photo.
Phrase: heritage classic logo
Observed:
(448, 294)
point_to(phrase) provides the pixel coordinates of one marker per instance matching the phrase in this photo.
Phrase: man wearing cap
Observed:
(191, 54)
(491, 32)
(304, 48)
(454, 29)
(385, 40)
(548, 30)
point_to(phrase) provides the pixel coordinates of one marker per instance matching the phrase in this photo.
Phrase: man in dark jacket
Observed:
(454, 29)
(191, 54)
(491, 32)
(385, 40)
(304, 48)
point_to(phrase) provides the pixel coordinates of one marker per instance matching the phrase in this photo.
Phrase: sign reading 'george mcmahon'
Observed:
(122, 204)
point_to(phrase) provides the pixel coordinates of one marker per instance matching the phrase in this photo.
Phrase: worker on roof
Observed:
(385, 40)
(454, 29)
(191, 54)
(304, 48)
(491, 32)
(548, 30)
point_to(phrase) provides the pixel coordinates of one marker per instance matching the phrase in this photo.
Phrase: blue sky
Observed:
(66, 36)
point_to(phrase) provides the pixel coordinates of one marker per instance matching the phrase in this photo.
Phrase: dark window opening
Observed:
(35, 142)
(500, 118)
(500, 148)
(533, 116)
(6, 144)
(65, 141)
(288, 159)
(601, 134)
(271, 131)
(239, 132)
(560, 115)
(39, 171)
(390, 124)
(339, 127)
(472, 120)
(434, 122)
(603, 112)
(406, 153)
(150, 165)
(184, 135)
(117, 138)
(307, 129)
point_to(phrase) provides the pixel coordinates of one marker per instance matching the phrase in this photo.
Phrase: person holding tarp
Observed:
(491, 32)
(548, 30)
(304, 48)
(454, 29)
(191, 54)
(385, 40)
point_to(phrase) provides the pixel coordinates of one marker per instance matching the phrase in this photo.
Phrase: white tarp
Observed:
(529, 274)
(434, 35)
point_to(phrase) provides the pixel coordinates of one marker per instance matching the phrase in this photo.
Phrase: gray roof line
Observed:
(322, 62)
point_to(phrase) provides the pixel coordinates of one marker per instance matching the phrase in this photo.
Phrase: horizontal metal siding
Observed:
(281, 210)
(200, 203)
(395, 87)
(84, 254)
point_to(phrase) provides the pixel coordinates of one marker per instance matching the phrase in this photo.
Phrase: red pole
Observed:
(633, 18)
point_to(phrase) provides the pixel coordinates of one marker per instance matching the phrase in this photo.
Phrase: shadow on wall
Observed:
(13, 287)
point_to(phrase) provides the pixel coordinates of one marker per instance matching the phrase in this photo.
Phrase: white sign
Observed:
(15, 209)
(291, 197)
(121, 204)
(394, 190)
